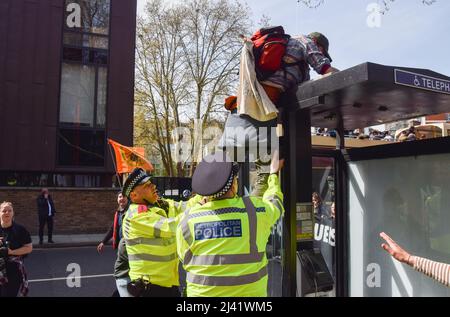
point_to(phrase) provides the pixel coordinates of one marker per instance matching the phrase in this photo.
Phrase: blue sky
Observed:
(410, 34)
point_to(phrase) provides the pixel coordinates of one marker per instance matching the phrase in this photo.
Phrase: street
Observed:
(53, 272)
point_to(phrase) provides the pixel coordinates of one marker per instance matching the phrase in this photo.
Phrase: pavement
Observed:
(69, 240)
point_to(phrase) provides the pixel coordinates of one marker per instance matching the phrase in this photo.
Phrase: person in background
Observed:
(15, 244)
(437, 271)
(46, 212)
(231, 104)
(115, 231)
(121, 266)
(320, 210)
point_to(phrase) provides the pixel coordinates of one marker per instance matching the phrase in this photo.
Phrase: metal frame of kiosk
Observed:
(364, 95)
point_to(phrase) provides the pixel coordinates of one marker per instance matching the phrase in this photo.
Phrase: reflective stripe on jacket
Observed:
(222, 244)
(149, 234)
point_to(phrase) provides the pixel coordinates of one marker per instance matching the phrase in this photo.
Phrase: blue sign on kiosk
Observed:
(419, 81)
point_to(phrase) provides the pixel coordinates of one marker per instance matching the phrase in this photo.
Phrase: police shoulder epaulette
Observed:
(142, 208)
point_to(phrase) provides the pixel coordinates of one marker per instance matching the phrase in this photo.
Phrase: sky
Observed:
(410, 34)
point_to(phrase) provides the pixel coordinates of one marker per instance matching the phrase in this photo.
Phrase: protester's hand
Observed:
(100, 247)
(276, 164)
(243, 38)
(395, 250)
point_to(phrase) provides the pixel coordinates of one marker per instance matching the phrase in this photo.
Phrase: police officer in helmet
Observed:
(222, 242)
(149, 233)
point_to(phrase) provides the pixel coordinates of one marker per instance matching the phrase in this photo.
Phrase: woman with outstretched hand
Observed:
(438, 271)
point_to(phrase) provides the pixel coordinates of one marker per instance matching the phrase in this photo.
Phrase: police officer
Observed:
(149, 233)
(222, 243)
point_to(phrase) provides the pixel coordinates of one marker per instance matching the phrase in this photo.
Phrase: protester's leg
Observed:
(50, 228)
(121, 284)
(262, 175)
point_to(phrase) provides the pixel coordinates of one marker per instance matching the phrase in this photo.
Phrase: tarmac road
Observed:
(54, 272)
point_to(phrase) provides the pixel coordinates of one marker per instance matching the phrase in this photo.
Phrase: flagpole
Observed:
(115, 167)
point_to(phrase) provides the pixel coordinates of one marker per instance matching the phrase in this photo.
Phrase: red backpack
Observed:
(269, 47)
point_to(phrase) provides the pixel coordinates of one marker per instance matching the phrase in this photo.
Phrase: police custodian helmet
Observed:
(214, 176)
(137, 176)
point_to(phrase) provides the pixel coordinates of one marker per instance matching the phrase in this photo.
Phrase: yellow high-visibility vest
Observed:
(149, 235)
(222, 244)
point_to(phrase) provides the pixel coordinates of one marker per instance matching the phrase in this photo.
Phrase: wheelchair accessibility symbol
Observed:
(416, 81)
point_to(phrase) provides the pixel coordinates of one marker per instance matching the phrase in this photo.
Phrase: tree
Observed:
(384, 4)
(160, 79)
(187, 62)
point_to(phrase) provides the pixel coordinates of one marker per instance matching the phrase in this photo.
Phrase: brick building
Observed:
(66, 85)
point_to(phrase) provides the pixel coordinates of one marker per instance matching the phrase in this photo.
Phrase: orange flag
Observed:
(128, 158)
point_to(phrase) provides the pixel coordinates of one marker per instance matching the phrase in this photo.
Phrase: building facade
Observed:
(66, 86)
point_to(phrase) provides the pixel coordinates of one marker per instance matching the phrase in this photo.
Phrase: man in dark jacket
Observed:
(46, 212)
(115, 231)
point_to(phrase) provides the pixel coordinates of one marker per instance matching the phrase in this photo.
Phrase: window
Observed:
(101, 96)
(85, 40)
(94, 16)
(77, 95)
(84, 85)
(81, 147)
(323, 202)
(44, 179)
(409, 199)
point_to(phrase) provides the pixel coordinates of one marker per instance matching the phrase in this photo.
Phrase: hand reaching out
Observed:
(395, 250)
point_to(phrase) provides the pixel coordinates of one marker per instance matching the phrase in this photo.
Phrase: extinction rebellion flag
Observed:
(128, 158)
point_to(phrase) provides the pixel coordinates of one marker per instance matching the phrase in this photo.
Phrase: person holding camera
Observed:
(15, 244)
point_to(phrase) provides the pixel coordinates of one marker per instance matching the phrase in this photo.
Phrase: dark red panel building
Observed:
(66, 85)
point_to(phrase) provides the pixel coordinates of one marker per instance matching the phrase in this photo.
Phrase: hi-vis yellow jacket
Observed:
(149, 234)
(222, 244)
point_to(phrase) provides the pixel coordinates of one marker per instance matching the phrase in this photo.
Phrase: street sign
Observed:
(420, 81)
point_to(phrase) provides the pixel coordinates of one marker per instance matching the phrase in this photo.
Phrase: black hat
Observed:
(137, 176)
(214, 175)
(322, 41)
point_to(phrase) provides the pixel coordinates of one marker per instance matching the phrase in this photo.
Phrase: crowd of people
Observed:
(407, 134)
(358, 134)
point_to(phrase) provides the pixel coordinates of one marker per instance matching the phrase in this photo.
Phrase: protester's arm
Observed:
(438, 271)
(108, 234)
(106, 239)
